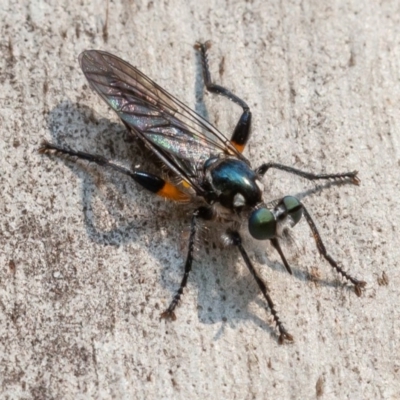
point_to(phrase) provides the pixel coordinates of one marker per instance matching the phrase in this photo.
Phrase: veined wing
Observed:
(178, 135)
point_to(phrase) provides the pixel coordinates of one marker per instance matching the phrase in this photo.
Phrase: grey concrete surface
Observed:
(89, 260)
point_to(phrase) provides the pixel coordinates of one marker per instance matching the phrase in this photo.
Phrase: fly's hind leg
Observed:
(153, 183)
(241, 133)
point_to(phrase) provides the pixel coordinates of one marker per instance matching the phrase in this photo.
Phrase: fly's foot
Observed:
(355, 180)
(284, 336)
(168, 314)
(359, 286)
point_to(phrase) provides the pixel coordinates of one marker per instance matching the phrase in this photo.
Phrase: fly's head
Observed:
(265, 223)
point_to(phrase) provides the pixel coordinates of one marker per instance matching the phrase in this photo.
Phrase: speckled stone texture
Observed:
(89, 260)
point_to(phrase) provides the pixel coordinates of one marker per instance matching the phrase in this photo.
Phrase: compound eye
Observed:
(262, 224)
(294, 208)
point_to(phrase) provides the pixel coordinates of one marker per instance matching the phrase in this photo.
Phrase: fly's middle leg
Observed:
(201, 213)
(349, 176)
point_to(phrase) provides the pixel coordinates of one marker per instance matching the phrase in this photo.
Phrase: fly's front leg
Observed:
(283, 333)
(201, 213)
(153, 183)
(275, 243)
(242, 130)
(351, 176)
(358, 285)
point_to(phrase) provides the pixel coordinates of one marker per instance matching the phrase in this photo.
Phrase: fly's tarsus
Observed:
(169, 315)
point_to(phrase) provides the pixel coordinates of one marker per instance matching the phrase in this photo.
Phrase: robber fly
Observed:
(210, 167)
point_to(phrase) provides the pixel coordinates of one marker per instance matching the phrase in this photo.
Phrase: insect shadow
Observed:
(70, 124)
(223, 292)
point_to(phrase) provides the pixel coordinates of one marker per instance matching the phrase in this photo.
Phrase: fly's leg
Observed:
(201, 213)
(283, 333)
(242, 130)
(352, 176)
(151, 182)
(358, 285)
(277, 246)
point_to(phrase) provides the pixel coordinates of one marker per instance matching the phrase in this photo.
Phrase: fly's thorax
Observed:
(233, 182)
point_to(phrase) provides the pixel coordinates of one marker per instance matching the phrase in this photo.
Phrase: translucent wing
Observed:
(180, 137)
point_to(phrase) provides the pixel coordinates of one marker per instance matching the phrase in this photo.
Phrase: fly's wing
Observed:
(180, 137)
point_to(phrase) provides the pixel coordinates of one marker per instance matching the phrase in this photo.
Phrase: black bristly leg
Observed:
(352, 176)
(242, 130)
(277, 246)
(358, 285)
(202, 213)
(283, 333)
(153, 183)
